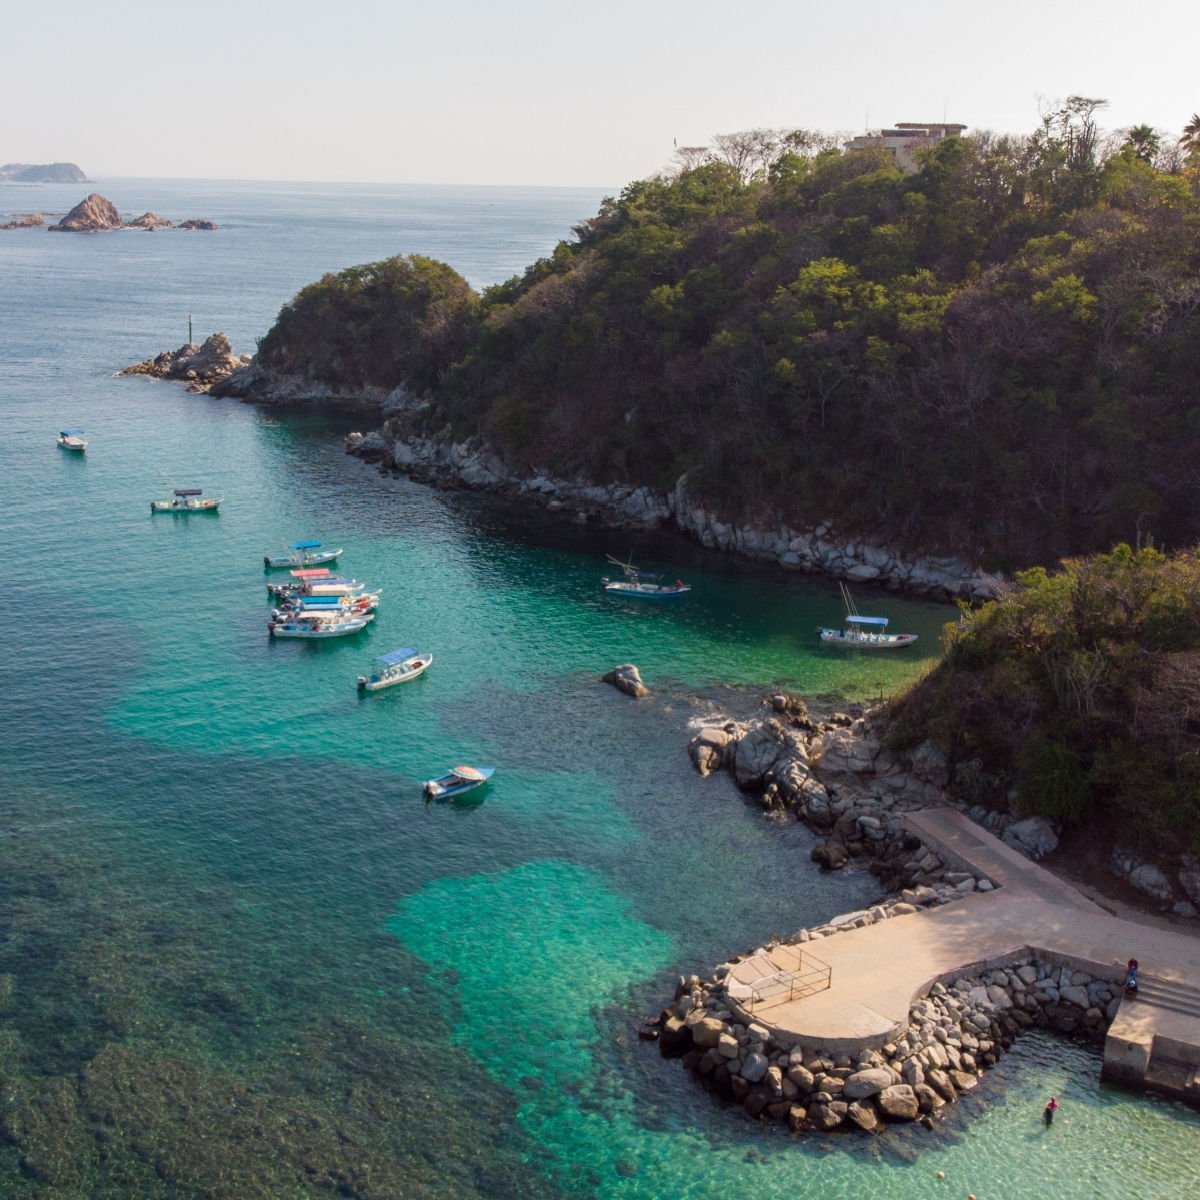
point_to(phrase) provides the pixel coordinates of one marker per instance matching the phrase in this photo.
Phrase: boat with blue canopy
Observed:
(456, 781)
(302, 554)
(397, 666)
(862, 632)
(72, 439)
(639, 584)
(186, 500)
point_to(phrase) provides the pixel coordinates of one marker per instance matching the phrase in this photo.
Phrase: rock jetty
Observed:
(953, 1033)
(199, 366)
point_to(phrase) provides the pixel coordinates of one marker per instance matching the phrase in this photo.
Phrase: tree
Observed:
(1190, 142)
(1144, 141)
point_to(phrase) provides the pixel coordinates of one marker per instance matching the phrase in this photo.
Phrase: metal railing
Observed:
(809, 976)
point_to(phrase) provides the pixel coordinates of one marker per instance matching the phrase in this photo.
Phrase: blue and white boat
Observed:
(863, 633)
(641, 586)
(302, 554)
(397, 666)
(318, 625)
(72, 439)
(456, 781)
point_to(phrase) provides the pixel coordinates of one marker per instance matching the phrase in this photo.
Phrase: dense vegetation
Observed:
(1080, 689)
(996, 355)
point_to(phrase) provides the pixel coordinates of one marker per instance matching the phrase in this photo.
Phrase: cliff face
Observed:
(42, 173)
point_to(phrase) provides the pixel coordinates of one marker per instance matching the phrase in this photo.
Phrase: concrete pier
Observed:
(878, 971)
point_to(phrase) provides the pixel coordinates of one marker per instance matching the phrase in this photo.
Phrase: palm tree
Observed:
(1143, 141)
(1190, 142)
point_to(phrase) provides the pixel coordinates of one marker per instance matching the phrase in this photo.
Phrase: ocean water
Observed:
(239, 954)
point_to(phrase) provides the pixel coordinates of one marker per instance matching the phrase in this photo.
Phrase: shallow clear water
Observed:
(238, 953)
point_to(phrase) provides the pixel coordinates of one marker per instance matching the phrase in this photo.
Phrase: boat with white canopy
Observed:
(319, 625)
(456, 781)
(397, 666)
(641, 585)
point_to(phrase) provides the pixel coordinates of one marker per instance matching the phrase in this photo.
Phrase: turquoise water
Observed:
(239, 956)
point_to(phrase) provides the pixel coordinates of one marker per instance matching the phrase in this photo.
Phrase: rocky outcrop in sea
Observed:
(199, 366)
(95, 214)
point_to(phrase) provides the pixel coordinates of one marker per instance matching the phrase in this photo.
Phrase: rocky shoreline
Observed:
(400, 445)
(838, 777)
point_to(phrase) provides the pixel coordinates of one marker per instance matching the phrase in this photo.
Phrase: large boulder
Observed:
(867, 1083)
(1034, 837)
(628, 679)
(200, 366)
(709, 748)
(756, 753)
(898, 1103)
(1152, 881)
(149, 220)
(93, 215)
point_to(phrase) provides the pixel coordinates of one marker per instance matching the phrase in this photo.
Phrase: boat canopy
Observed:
(189, 491)
(70, 432)
(467, 773)
(304, 545)
(398, 656)
(855, 619)
(310, 573)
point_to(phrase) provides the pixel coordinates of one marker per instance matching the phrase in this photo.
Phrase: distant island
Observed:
(41, 173)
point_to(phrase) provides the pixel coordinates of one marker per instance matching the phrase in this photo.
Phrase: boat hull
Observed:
(296, 561)
(866, 641)
(74, 445)
(646, 591)
(203, 506)
(377, 683)
(450, 786)
(316, 631)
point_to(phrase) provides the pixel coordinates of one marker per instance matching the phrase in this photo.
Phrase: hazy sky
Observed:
(530, 92)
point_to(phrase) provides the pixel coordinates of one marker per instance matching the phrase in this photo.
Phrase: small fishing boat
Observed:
(186, 500)
(319, 625)
(363, 602)
(302, 554)
(72, 439)
(456, 781)
(638, 584)
(865, 633)
(397, 666)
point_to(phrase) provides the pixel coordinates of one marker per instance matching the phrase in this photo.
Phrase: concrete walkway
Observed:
(879, 970)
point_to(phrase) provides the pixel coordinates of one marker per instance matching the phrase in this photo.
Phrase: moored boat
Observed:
(641, 585)
(319, 625)
(72, 439)
(302, 554)
(397, 666)
(186, 500)
(456, 781)
(866, 633)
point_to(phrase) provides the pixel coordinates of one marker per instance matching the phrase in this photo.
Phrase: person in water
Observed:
(1050, 1110)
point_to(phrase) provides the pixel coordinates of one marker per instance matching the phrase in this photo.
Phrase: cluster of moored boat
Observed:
(315, 603)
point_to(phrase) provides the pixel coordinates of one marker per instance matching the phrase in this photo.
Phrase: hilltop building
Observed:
(904, 140)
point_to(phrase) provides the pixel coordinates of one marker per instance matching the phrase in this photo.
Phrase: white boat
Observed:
(397, 666)
(640, 585)
(72, 439)
(314, 605)
(302, 554)
(456, 781)
(186, 500)
(321, 625)
(864, 633)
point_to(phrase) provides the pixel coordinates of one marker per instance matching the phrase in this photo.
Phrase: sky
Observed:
(529, 92)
